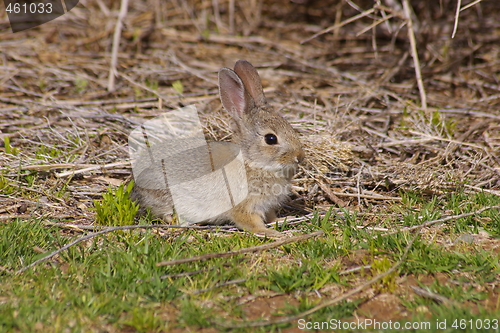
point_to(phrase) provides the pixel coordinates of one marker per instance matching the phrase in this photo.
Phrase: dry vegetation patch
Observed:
(352, 96)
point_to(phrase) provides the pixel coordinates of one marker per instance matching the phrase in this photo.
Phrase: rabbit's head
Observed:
(267, 140)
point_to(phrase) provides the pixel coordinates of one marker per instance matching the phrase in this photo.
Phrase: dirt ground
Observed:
(342, 72)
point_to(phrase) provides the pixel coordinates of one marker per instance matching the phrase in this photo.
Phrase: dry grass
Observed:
(352, 92)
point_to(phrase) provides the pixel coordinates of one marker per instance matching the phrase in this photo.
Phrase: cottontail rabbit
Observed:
(269, 150)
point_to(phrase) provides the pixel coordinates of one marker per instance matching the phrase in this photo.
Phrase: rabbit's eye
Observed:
(271, 139)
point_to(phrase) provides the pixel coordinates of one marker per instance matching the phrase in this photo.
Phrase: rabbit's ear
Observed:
(251, 79)
(234, 97)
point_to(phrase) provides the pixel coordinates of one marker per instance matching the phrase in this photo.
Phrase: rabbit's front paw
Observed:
(271, 233)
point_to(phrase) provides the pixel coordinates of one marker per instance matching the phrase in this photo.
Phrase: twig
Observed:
(190, 70)
(231, 16)
(366, 196)
(479, 189)
(371, 228)
(341, 24)
(414, 54)
(76, 227)
(47, 167)
(111, 229)
(438, 138)
(470, 5)
(190, 12)
(374, 24)
(429, 294)
(166, 99)
(15, 216)
(116, 44)
(228, 283)
(443, 219)
(177, 275)
(404, 142)
(218, 21)
(457, 15)
(355, 269)
(183, 274)
(257, 248)
(92, 168)
(329, 193)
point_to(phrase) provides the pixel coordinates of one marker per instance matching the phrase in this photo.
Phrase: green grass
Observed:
(115, 208)
(8, 147)
(112, 283)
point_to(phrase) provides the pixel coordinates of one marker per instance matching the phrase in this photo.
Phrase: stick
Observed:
(443, 219)
(165, 98)
(404, 142)
(332, 196)
(429, 294)
(228, 283)
(47, 167)
(414, 54)
(116, 44)
(355, 269)
(231, 16)
(438, 138)
(366, 196)
(470, 5)
(257, 248)
(457, 15)
(92, 168)
(341, 24)
(479, 189)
